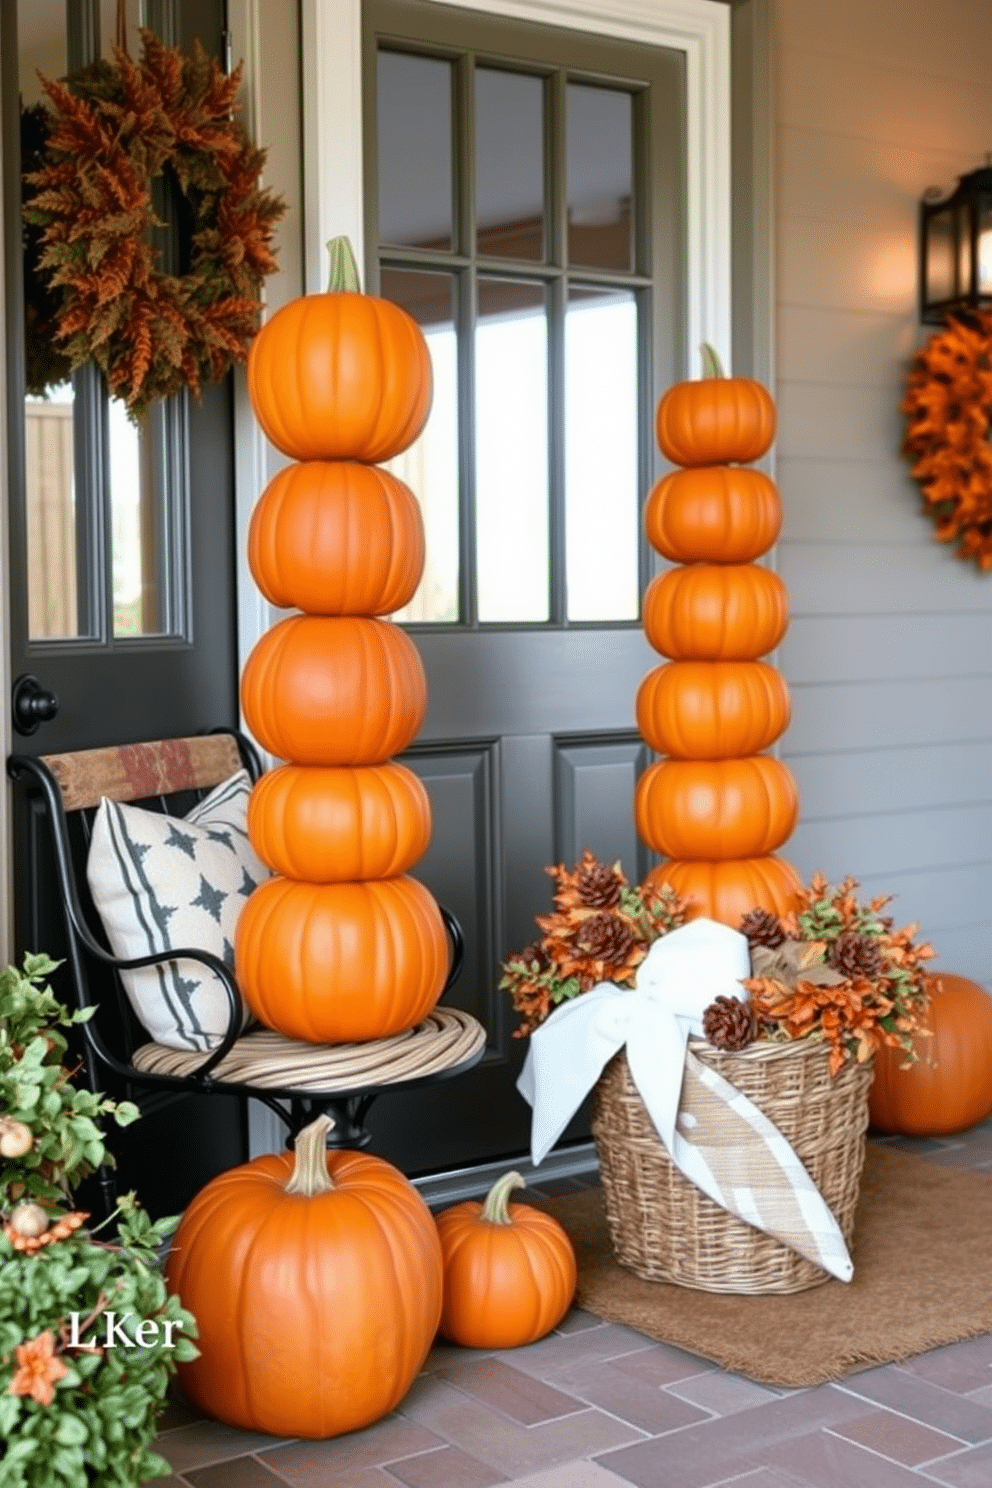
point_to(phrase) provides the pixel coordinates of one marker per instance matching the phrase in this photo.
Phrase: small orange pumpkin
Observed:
(333, 537)
(727, 889)
(716, 514)
(712, 709)
(341, 690)
(949, 1088)
(715, 420)
(336, 962)
(316, 1281)
(509, 1270)
(716, 612)
(331, 824)
(342, 375)
(725, 808)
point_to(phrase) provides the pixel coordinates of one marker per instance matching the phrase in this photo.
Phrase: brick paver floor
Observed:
(595, 1405)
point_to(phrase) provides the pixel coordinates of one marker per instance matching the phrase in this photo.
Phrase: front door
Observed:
(525, 202)
(122, 579)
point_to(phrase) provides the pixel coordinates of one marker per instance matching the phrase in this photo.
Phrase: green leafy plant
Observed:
(89, 1334)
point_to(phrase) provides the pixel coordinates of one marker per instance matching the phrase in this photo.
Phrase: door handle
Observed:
(32, 704)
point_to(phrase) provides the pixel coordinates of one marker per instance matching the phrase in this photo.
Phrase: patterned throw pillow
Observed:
(160, 882)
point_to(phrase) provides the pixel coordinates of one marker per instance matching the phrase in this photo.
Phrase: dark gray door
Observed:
(525, 203)
(122, 566)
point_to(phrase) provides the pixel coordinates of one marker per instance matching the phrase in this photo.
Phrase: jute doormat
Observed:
(922, 1277)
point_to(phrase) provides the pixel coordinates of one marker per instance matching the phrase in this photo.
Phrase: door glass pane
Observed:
(602, 500)
(511, 451)
(509, 164)
(599, 152)
(430, 466)
(140, 524)
(414, 150)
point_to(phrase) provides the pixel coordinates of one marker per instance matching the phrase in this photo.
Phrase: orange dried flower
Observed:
(39, 1368)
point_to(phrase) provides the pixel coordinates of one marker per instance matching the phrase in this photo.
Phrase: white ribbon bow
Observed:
(759, 1176)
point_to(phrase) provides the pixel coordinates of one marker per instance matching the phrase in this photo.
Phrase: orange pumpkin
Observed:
(716, 612)
(509, 1270)
(726, 808)
(316, 1282)
(949, 1089)
(712, 709)
(726, 889)
(336, 962)
(715, 420)
(718, 514)
(340, 376)
(333, 537)
(332, 824)
(341, 690)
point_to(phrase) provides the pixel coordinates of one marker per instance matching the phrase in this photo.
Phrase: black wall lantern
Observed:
(956, 248)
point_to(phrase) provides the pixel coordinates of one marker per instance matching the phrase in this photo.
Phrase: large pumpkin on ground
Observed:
(949, 1088)
(334, 537)
(337, 962)
(717, 514)
(725, 808)
(316, 1282)
(509, 1270)
(716, 612)
(712, 709)
(330, 824)
(727, 889)
(334, 691)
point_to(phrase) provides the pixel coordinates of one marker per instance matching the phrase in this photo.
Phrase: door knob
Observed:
(32, 704)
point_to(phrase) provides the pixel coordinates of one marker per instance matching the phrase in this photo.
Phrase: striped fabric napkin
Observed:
(718, 1137)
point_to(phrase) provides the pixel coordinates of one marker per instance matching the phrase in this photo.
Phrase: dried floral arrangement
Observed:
(835, 969)
(600, 931)
(115, 130)
(948, 409)
(89, 1335)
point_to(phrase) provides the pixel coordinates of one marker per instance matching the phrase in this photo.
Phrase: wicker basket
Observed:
(663, 1228)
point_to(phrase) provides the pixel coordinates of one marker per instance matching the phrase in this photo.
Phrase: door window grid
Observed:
(105, 510)
(549, 533)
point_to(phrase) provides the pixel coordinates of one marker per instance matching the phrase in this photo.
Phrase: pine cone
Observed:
(605, 938)
(857, 955)
(762, 928)
(729, 1023)
(597, 885)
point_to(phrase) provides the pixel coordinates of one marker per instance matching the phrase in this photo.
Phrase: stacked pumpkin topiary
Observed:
(341, 944)
(716, 805)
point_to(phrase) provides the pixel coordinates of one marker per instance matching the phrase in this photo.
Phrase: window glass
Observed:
(511, 451)
(599, 132)
(602, 497)
(509, 164)
(430, 466)
(414, 150)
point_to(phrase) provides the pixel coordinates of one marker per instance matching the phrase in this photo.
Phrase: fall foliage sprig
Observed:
(600, 931)
(838, 970)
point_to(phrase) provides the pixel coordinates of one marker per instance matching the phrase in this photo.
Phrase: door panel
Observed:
(162, 660)
(552, 298)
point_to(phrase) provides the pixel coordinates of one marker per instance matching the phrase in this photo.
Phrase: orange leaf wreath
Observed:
(118, 128)
(948, 409)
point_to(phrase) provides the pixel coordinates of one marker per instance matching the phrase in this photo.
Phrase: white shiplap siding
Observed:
(889, 653)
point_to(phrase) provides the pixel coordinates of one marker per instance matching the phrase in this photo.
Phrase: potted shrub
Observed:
(89, 1335)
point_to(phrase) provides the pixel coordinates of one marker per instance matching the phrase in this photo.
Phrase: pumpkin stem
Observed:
(495, 1210)
(712, 366)
(344, 270)
(310, 1175)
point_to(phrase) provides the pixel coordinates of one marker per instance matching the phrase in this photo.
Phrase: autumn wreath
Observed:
(114, 131)
(948, 409)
